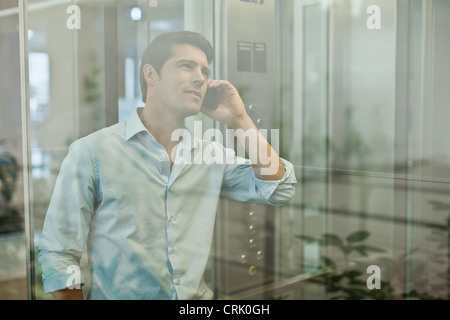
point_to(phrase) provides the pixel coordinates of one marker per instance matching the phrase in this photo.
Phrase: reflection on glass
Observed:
(13, 282)
(39, 74)
(81, 78)
(367, 127)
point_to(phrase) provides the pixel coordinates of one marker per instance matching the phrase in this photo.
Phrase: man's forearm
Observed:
(266, 163)
(68, 294)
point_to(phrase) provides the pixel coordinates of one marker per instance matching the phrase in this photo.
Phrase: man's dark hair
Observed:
(160, 50)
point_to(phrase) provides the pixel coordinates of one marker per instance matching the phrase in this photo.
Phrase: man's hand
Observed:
(231, 111)
(231, 108)
(68, 294)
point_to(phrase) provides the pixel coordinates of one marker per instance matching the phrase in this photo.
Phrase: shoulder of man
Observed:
(103, 135)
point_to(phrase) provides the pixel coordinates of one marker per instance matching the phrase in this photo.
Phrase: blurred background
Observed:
(359, 90)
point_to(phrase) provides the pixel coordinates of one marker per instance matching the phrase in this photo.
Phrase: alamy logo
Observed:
(74, 280)
(374, 21)
(213, 154)
(374, 281)
(74, 20)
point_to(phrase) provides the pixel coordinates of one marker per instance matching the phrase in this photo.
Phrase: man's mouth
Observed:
(195, 92)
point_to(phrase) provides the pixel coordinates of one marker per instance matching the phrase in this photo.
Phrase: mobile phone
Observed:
(211, 99)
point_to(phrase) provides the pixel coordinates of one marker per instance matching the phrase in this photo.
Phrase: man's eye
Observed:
(187, 66)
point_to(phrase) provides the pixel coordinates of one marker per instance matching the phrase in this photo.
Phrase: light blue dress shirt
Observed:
(147, 227)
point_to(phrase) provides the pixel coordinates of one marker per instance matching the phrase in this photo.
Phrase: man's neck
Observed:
(161, 125)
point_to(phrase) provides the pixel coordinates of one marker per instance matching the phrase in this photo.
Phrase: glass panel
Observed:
(66, 97)
(361, 100)
(13, 282)
(364, 113)
(314, 129)
(385, 171)
(428, 153)
(84, 75)
(361, 204)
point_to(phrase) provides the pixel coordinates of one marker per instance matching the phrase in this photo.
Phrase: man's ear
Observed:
(150, 74)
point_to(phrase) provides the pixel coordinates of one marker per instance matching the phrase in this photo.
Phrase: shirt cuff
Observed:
(267, 187)
(59, 281)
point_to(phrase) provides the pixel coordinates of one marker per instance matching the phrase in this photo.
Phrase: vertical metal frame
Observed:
(26, 153)
(402, 129)
(414, 30)
(111, 64)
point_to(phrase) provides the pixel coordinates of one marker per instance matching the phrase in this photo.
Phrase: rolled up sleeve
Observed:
(241, 183)
(67, 221)
(278, 192)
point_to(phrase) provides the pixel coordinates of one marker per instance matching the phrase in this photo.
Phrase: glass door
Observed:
(83, 75)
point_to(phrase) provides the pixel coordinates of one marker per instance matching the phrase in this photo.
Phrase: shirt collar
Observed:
(134, 126)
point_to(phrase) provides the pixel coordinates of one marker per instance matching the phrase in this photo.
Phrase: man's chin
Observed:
(192, 110)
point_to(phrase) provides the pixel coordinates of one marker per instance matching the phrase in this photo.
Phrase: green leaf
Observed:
(328, 262)
(358, 236)
(352, 274)
(374, 249)
(439, 205)
(332, 239)
(306, 238)
(364, 250)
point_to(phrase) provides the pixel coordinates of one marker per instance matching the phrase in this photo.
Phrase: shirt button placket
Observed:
(171, 245)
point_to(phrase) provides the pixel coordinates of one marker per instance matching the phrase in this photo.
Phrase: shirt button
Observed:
(162, 157)
(177, 282)
(171, 249)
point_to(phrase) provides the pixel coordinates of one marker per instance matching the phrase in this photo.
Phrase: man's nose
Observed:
(199, 79)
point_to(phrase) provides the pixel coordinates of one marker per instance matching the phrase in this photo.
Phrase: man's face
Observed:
(183, 79)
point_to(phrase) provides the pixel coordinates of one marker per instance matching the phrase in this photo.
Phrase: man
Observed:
(147, 219)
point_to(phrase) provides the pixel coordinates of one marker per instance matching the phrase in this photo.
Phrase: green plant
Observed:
(348, 284)
(92, 87)
(10, 218)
